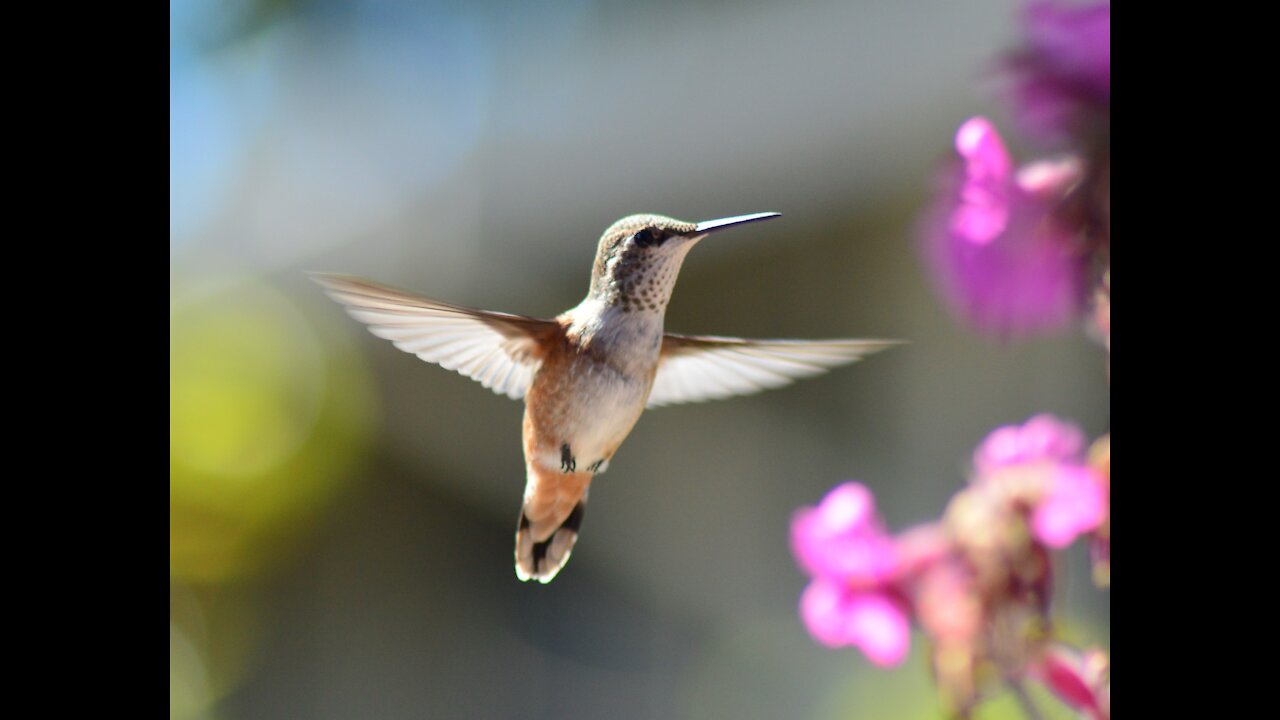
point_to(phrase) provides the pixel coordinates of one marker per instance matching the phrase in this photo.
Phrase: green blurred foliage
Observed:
(265, 423)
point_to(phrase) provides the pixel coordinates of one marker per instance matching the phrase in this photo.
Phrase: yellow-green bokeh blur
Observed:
(265, 424)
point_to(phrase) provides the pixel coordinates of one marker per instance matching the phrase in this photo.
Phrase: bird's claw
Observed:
(568, 463)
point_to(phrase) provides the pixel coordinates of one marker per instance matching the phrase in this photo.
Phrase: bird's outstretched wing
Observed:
(694, 368)
(498, 350)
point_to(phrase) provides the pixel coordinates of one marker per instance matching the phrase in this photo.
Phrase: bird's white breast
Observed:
(610, 385)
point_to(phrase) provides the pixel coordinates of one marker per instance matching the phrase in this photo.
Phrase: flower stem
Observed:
(1024, 699)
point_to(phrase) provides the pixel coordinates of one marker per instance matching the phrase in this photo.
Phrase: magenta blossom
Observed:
(1001, 256)
(843, 539)
(838, 616)
(1071, 498)
(978, 582)
(1076, 503)
(1043, 437)
(1061, 81)
(1080, 679)
(842, 543)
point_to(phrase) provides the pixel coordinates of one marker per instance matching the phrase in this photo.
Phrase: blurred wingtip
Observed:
(327, 279)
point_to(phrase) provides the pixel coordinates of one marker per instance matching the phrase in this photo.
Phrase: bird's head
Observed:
(640, 256)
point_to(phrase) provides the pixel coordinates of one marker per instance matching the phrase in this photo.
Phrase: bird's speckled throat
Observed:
(638, 260)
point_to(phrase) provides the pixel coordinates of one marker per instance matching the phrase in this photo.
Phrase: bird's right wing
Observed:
(694, 368)
(498, 350)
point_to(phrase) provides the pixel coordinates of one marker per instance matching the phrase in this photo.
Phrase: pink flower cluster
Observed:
(1012, 249)
(1017, 249)
(1072, 499)
(978, 581)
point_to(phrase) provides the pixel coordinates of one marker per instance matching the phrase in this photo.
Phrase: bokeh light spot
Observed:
(264, 424)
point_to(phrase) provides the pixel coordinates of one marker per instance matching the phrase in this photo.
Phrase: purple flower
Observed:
(982, 212)
(999, 254)
(1062, 78)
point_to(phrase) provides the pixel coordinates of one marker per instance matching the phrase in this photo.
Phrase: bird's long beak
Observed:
(708, 226)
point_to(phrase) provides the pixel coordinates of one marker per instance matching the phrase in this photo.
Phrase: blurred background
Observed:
(342, 514)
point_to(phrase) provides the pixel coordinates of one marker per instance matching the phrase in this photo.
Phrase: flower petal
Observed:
(821, 609)
(879, 628)
(846, 508)
(1061, 80)
(1073, 42)
(1076, 503)
(1041, 438)
(1077, 678)
(983, 211)
(843, 539)
(837, 617)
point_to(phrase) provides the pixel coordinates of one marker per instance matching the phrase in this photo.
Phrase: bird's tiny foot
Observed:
(595, 466)
(567, 462)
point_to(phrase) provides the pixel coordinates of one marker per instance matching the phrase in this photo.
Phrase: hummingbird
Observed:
(588, 374)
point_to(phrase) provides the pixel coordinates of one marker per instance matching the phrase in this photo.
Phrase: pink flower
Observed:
(838, 616)
(1080, 679)
(1076, 503)
(843, 539)
(999, 254)
(1043, 437)
(948, 604)
(1072, 497)
(982, 212)
(1061, 81)
(850, 601)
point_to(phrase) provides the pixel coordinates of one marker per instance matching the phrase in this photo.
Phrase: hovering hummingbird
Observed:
(588, 374)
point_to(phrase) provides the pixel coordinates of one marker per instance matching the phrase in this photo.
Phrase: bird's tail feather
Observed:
(549, 523)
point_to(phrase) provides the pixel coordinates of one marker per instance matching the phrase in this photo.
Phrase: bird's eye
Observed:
(646, 238)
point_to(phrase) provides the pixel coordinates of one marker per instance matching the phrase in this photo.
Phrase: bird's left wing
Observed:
(498, 350)
(695, 368)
